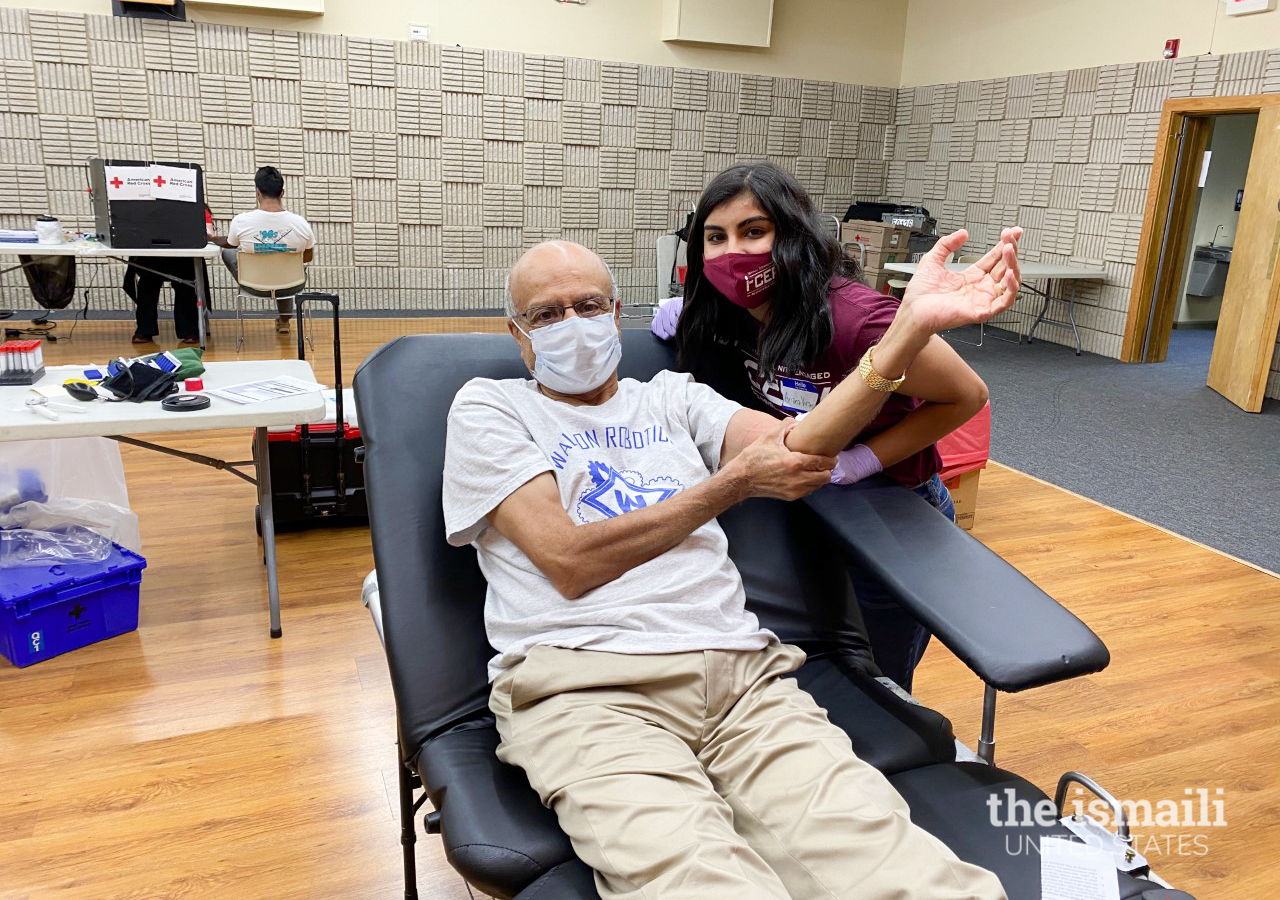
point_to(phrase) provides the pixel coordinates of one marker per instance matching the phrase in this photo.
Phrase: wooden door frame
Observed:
(1164, 165)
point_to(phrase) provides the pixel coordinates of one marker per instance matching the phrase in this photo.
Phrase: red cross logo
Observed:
(116, 182)
(159, 181)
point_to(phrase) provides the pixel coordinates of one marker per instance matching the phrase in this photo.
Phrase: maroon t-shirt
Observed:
(860, 316)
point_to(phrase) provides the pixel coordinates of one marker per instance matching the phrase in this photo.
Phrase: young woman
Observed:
(770, 290)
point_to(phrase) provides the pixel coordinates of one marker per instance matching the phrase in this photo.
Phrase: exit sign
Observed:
(1245, 7)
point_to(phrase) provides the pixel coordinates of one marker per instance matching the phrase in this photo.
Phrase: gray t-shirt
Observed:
(649, 441)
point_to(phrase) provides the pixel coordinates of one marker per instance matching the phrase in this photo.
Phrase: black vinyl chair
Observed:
(793, 559)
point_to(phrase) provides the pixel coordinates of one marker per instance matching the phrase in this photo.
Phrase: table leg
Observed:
(1071, 314)
(262, 462)
(1044, 308)
(202, 298)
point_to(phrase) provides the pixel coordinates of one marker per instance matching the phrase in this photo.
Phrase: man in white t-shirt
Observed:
(645, 703)
(269, 229)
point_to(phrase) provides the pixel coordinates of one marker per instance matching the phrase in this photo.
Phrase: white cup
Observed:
(48, 230)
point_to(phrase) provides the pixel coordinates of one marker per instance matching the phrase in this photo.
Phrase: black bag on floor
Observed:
(52, 279)
(317, 474)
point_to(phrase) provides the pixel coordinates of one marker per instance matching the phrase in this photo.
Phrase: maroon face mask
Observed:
(745, 278)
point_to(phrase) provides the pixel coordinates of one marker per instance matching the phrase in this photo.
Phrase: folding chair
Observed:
(277, 276)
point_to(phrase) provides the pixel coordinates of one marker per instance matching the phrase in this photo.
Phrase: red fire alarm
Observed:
(1171, 48)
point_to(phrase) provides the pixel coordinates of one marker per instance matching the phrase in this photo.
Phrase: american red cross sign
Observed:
(159, 179)
(116, 183)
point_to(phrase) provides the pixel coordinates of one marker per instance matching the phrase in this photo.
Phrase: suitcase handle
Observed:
(299, 301)
(340, 425)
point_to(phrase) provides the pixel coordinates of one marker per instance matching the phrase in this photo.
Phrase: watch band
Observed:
(874, 379)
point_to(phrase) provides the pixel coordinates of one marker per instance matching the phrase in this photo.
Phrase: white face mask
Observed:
(576, 355)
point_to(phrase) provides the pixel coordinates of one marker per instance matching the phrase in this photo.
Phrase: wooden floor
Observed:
(198, 758)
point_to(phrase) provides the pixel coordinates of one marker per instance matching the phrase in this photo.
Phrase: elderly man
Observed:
(645, 703)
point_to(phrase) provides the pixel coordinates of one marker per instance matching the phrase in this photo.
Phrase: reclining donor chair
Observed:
(428, 598)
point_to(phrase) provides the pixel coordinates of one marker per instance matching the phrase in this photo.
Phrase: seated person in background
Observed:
(644, 702)
(269, 229)
(142, 282)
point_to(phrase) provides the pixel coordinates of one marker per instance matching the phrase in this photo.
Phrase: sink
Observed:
(1213, 253)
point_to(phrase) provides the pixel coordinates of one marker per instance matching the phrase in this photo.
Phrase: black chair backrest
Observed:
(432, 594)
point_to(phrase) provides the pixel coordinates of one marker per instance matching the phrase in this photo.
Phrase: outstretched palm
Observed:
(940, 299)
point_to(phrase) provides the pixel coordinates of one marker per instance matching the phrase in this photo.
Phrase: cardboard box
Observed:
(964, 494)
(878, 259)
(878, 279)
(876, 235)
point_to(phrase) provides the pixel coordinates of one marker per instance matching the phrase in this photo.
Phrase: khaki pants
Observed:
(709, 775)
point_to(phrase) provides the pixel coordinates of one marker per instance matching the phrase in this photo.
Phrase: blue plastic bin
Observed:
(47, 611)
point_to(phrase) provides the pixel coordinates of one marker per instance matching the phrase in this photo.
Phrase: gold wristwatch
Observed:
(874, 379)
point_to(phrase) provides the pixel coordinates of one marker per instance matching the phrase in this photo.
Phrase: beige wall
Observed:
(849, 41)
(947, 41)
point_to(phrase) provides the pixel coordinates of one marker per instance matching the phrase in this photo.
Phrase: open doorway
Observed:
(1204, 264)
(1211, 237)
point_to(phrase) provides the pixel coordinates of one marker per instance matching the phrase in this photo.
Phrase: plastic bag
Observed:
(66, 544)
(65, 475)
(115, 523)
(52, 279)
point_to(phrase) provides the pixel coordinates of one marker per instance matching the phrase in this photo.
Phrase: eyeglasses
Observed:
(542, 316)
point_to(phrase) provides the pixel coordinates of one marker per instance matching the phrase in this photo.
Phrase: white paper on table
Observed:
(173, 183)
(266, 389)
(1073, 871)
(128, 182)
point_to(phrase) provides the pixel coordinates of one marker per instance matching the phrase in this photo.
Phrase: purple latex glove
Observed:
(855, 464)
(667, 318)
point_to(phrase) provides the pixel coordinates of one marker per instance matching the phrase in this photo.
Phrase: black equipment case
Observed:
(317, 471)
(146, 224)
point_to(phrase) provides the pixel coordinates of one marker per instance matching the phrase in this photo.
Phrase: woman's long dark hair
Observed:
(807, 259)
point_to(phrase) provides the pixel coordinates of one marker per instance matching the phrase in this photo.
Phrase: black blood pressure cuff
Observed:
(138, 382)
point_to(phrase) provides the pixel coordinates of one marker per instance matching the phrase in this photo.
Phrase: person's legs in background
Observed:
(898, 641)
(144, 288)
(186, 321)
(284, 310)
(229, 260)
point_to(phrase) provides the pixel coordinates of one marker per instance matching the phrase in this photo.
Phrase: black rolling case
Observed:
(317, 475)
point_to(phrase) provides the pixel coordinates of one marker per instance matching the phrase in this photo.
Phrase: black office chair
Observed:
(792, 556)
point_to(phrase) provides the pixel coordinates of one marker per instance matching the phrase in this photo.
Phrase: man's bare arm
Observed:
(580, 558)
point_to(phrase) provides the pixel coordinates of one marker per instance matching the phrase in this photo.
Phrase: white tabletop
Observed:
(1030, 270)
(20, 424)
(91, 249)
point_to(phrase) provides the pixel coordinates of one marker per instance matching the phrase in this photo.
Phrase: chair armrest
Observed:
(568, 881)
(496, 832)
(1013, 635)
(372, 601)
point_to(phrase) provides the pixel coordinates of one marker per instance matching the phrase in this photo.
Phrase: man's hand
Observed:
(766, 468)
(937, 298)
